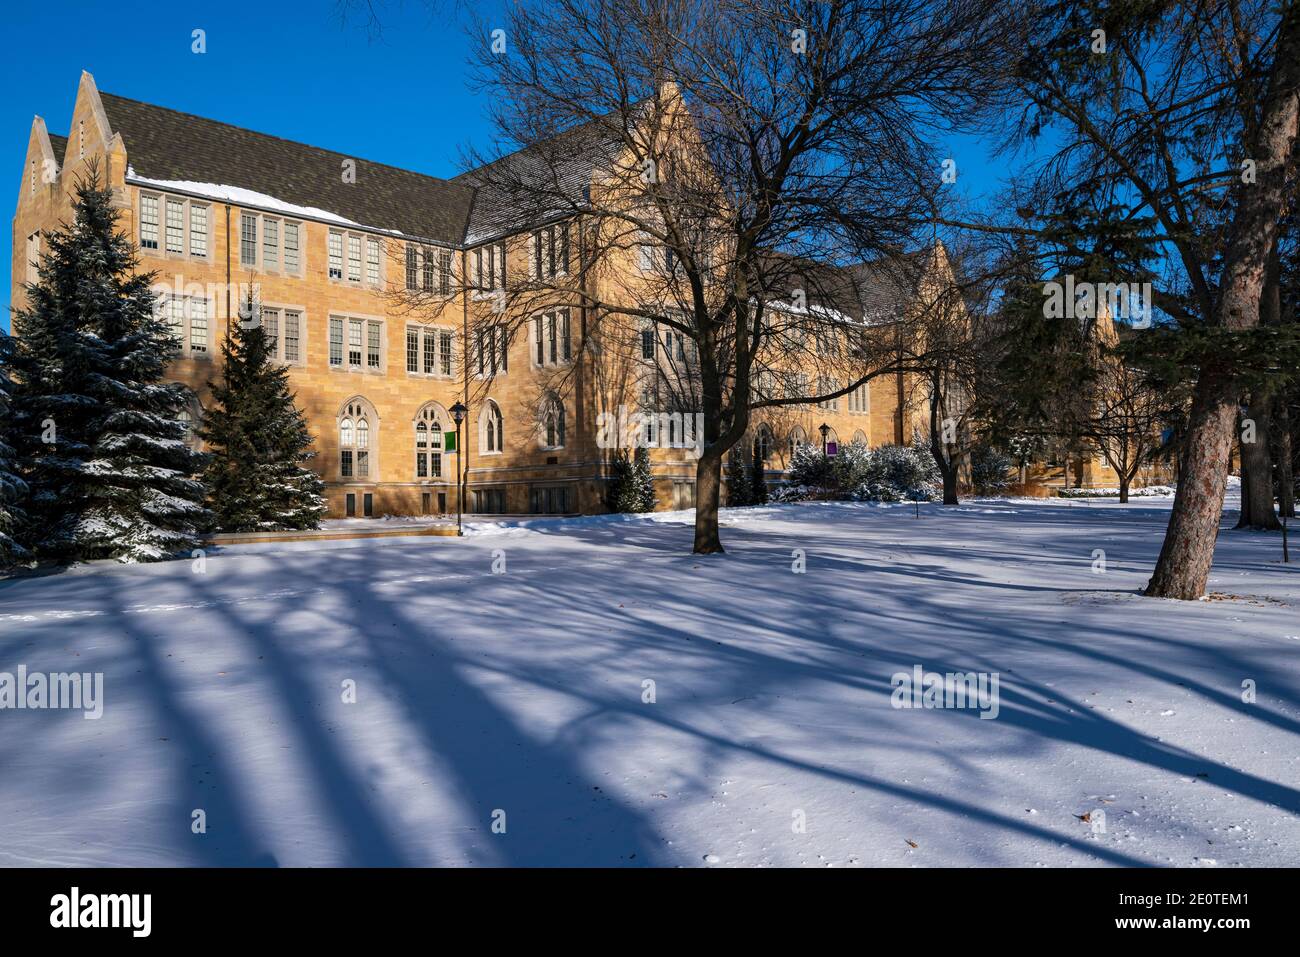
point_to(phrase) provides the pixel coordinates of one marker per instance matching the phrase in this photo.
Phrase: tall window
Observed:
(336, 341)
(412, 266)
(284, 328)
(198, 230)
(428, 273)
(445, 341)
(428, 442)
(444, 272)
(860, 399)
(148, 220)
(490, 266)
(175, 225)
(355, 439)
(552, 423)
(271, 244)
(354, 258)
(491, 429)
(552, 338)
(550, 251)
(763, 443)
(335, 255)
(248, 239)
(492, 349)
(372, 261)
(291, 259)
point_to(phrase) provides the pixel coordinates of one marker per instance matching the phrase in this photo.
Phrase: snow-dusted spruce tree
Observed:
(258, 439)
(12, 488)
(643, 480)
(739, 488)
(97, 430)
(620, 492)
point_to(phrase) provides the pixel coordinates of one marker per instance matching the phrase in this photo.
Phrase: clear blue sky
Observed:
(291, 69)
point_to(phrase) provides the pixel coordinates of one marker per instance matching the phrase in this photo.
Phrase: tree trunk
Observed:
(1188, 550)
(708, 487)
(1123, 488)
(1257, 469)
(950, 485)
(1285, 474)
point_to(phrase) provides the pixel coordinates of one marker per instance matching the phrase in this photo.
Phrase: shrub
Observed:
(888, 473)
(990, 469)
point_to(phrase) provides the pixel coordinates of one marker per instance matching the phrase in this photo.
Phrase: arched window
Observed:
(552, 423)
(491, 436)
(798, 437)
(356, 420)
(763, 443)
(428, 441)
(860, 438)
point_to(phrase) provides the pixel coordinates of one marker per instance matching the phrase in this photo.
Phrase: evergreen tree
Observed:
(643, 480)
(620, 493)
(96, 428)
(12, 488)
(739, 487)
(258, 439)
(757, 481)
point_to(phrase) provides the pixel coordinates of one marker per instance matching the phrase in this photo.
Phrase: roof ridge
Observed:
(282, 139)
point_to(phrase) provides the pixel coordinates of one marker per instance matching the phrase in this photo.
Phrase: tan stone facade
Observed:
(330, 289)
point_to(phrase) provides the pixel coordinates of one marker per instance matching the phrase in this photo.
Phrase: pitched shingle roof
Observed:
(539, 182)
(60, 146)
(165, 144)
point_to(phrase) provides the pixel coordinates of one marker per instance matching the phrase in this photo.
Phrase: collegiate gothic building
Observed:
(377, 286)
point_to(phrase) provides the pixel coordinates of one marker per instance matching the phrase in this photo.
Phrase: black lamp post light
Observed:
(458, 416)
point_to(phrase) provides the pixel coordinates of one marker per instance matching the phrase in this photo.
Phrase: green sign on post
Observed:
(449, 442)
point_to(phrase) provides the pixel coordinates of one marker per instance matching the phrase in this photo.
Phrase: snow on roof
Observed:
(249, 197)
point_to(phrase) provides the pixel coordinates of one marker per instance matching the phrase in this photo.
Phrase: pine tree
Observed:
(96, 428)
(643, 480)
(12, 488)
(621, 493)
(757, 481)
(739, 487)
(258, 439)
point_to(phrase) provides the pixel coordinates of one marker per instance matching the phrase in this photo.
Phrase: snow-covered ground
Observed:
(520, 696)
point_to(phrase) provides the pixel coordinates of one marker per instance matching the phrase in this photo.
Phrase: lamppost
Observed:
(825, 430)
(458, 415)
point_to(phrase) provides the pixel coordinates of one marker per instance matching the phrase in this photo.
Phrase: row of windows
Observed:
(186, 318)
(357, 424)
(363, 345)
(354, 257)
(428, 269)
(179, 226)
(429, 351)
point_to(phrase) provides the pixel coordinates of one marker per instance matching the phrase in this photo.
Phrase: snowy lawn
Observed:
(522, 693)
